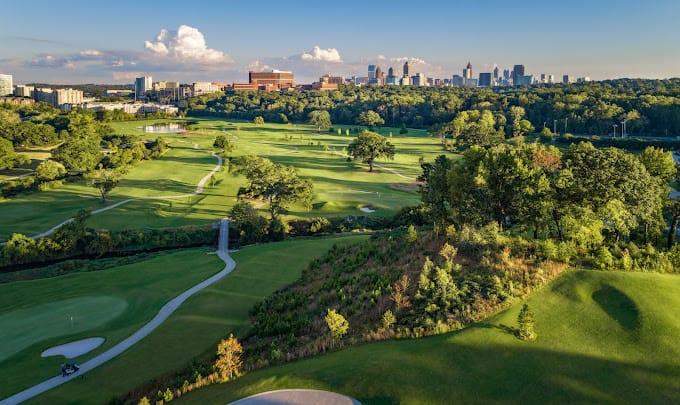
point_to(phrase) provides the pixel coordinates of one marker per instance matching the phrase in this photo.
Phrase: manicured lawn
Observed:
(200, 322)
(603, 338)
(341, 187)
(112, 303)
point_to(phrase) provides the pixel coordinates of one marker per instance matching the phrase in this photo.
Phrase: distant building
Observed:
(506, 74)
(406, 73)
(566, 79)
(584, 79)
(16, 100)
(470, 82)
(419, 79)
(337, 80)
(323, 84)
(496, 74)
(517, 72)
(157, 86)
(467, 72)
(485, 80)
(457, 80)
(21, 90)
(61, 98)
(280, 79)
(551, 79)
(524, 80)
(371, 74)
(142, 85)
(405, 81)
(5, 85)
(198, 88)
(391, 79)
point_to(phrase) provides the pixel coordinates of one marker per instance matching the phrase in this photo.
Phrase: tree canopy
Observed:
(369, 146)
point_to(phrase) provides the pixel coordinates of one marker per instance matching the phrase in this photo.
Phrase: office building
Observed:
(21, 90)
(198, 88)
(419, 79)
(566, 79)
(406, 80)
(506, 74)
(391, 79)
(584, 79)
(61, 98)
(467, 72)
(142, 85)
(485, 80)
(470, 82)
(5, 85)
(457, 80)
(523, 80)
(157, 86)
(406, 74)
(496, 74)
(517, 72)
(371, 74)
(279, 79)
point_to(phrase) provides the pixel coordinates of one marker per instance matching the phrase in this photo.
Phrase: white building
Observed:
(199, 88)
(62, 98)
(131, 108)
(21, 90)
(142, 84)
(419, 79)
(5, 85)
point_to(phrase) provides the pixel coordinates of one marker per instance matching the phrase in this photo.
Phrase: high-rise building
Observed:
(419, 79)
(142, 85)
(496, 73)
(405, 69)
(551, 79)
(566, 79)
(391, 79)
(379, 76)
(457, 80)
(59, 97)
(5, 85)
(405, 81)
(198, 88)
(524, 80)
(21, 90)
(506, 74)
(371, 73)
(485, 79)
(467, 72)
(517, 72)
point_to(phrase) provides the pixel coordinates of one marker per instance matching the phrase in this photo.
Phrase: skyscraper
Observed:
(5, 85)
(467, 72)
(391, 78)
(142, 84)
(379, 76)
(496, 73)
(517, 72)
(484, 80)
(405, 69)
(371, 73)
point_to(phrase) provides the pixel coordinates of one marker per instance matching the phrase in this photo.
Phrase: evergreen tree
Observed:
(526, 324)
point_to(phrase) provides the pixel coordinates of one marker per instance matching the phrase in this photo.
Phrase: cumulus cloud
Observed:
(186, 44)
(322, 55)
(90, 52)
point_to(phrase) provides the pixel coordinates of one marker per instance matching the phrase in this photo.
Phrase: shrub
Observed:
(337, 324)
(526, 324)
(228, 364)
(388, 319)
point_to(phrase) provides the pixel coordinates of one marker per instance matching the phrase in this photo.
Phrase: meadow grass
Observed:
(194, 330)
(602, 338)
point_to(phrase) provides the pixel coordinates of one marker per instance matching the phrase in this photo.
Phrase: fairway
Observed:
(194, 329)
(341, 188)
(602, 337)
(109, 303)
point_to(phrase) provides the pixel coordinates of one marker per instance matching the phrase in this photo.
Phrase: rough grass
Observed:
(193, 331)
(602, 337)
(110, 303)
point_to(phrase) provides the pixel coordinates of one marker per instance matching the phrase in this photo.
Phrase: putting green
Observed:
(25, 327)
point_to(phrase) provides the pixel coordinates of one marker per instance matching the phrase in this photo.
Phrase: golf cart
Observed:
(68, 369)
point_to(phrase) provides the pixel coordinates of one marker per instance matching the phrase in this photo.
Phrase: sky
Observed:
(79, 41)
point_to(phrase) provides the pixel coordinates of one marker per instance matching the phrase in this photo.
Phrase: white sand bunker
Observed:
(297, 397)
(74, 349)
(367, 209)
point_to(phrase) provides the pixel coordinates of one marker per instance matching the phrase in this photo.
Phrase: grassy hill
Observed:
(605, 337)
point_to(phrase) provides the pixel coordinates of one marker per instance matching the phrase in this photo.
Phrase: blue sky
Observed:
(76, 41)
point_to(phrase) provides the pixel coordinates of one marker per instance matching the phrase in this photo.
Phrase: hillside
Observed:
(606, 337)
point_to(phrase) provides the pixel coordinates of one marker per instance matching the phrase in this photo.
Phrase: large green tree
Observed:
(370, 119)
(321, 119)
(8, 157)
(369, 146)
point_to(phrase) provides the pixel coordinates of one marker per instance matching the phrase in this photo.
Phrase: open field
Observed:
(603, 337)
(199, 323)
(112, 303)
(341, 187)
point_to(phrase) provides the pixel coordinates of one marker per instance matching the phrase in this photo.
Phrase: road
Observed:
(161, 316)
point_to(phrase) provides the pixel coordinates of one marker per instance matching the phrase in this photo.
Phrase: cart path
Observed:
(200, 188)
(161, 316)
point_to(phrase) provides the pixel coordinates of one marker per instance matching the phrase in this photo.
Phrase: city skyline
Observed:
(224, 44)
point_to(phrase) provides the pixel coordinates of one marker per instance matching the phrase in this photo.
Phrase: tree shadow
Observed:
(619, 306)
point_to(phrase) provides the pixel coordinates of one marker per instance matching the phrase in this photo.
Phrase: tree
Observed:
(411, 235)
(673, 214)
(659, 163)
(279, 185)
(250, 225)
(79, 154)
(369, 146)
(9, 158)
(50, 170)
(228, 364)
(321, 119)
(388, 319)
(224, 144)
(144, 401)
(337, 324)
(526, 324)
(258, 120)
(104, 180)
(370, 119)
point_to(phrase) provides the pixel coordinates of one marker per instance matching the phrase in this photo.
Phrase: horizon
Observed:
(176, 44)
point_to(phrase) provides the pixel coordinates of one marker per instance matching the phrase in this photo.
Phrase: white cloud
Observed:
(186, 44)
(410, 59)
(90, 52)
(323, 55)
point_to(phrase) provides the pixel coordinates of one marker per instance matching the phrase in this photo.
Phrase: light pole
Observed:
(614, 134)
(623, 129)
(565, 125)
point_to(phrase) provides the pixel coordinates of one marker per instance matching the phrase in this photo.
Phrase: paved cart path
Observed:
(161, 316)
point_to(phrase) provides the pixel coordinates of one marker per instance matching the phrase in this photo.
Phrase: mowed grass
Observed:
(112, 303)
(341, 187)
(603, 338)
(194, 330)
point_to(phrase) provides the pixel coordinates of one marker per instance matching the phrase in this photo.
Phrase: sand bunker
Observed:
(74, 349)
(297, 397)
(367, 209)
